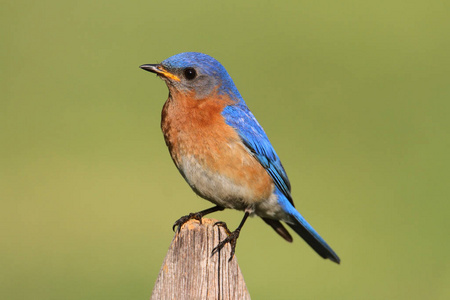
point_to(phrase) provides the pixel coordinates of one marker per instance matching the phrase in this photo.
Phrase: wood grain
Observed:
(190, 272)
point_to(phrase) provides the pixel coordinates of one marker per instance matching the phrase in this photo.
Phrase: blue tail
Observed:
(303, 229)
(310, 236)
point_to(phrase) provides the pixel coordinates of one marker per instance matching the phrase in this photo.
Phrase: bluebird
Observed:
(223, 153)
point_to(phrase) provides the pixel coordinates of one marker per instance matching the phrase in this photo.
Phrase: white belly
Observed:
(214, 186)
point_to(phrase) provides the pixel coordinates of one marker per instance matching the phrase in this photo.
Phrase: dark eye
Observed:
(190, 73)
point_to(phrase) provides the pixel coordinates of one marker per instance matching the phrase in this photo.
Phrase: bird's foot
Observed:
(231, 238)
(192, 216)
(196, 216)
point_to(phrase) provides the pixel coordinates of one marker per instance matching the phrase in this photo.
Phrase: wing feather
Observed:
(255, 139)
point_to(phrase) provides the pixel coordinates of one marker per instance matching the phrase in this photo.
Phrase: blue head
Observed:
(196, 73)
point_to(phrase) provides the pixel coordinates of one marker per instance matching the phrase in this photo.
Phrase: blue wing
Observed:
(255, 139)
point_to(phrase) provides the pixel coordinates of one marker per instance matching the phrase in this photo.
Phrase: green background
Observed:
(354, 96)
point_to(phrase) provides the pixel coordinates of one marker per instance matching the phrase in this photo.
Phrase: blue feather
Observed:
(255, 139)
(209, 66)
(306, 231)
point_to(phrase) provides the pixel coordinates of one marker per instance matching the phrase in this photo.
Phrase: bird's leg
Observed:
(197, 216)
(231, 238)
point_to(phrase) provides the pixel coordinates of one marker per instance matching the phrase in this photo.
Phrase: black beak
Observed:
(151, 68)
(160, 71)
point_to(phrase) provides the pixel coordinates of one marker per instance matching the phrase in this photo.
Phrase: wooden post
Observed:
(190, 272)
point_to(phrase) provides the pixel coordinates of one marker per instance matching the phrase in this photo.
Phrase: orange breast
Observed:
(210, 154)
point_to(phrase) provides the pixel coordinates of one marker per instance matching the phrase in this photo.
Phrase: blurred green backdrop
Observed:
(354, 96)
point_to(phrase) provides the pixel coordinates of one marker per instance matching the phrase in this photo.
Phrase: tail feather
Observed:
(279, 228)
(302, 227)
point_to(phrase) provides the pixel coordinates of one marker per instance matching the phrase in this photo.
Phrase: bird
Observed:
(222, 151)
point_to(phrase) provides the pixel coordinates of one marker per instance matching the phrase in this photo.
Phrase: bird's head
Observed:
(196, 74)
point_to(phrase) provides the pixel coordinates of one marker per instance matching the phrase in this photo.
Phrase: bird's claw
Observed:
(192, 216)
(224, 226)
(231, 238)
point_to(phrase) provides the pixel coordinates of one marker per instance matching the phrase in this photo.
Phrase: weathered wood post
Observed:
(190, 272)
